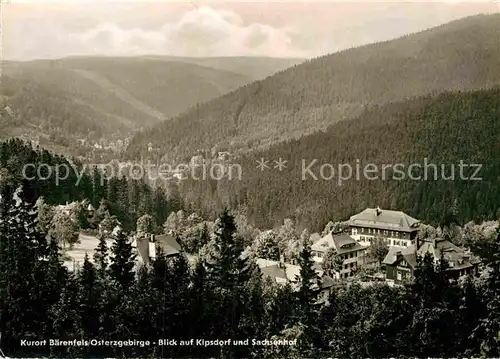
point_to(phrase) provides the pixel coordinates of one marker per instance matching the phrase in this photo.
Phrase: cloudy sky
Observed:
(39, 29)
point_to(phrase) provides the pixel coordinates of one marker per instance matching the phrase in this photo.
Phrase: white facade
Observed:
(396, 228)
(390, 237)
(351, 253)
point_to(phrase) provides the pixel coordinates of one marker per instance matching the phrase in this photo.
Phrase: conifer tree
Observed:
(22, 313)
(89, 299)
(281, 308)
(121, 268)
(160, 294)
(226, 265)
(228, 272)
(101, 256)
(204, 236)
(434, 316)
(489, 327)
(66, 316)
(471, 311)
(307, 294)
(199, 300)
(55, 276)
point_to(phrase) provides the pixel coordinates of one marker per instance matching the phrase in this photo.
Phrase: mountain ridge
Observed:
(460, 55)
(104, 99)
(445, 130)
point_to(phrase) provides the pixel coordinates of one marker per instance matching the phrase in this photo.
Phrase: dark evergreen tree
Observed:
(471, 311)
(307, 296)
(23, 308)
(101, 256)
(66, 317)
(308, 285)
(489, 326)
(89, 299)
(228, 272)
(204, 236)
(434, 320)
(121, 268)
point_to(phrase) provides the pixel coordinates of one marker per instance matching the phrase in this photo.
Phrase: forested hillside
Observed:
(445, 129)
(256, 68)
(60, 101)
(126, 199)
(108, 309)
(461, 55)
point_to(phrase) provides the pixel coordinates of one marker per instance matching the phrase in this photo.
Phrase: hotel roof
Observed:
(384, 219)
(408, 253)
(342, 242)
(450, 252)
(284, 272)
(436, 248)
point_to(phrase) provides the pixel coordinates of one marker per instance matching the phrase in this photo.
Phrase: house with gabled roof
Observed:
(395, 228)
(460, 261)
(400, 263)
(351, 252)
(283, 273)
(145, 247)
(168, 244)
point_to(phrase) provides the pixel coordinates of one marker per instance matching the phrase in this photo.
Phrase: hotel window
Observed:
(385, 233)
(354, 231)
(399, 276)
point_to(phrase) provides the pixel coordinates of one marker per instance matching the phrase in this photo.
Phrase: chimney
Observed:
(281, 263)
(152, 250)
(378, 211)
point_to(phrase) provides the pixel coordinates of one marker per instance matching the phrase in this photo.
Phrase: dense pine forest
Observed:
(461, 55)
(444, 129)
(126, 199)
(223, 296)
